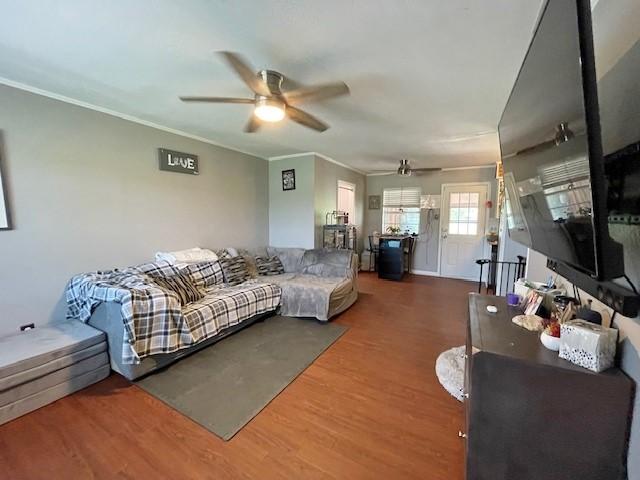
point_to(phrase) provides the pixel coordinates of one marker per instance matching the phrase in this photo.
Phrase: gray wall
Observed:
(291, 212)
(86, 193)
(426, 250)
(296, 216)
(327, 175)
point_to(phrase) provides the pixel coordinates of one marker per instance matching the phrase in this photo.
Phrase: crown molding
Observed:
(340, 164)
(319, 155)
(114, 113)
(292, 155)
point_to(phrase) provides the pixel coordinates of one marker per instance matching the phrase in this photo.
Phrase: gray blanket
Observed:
(314, 282)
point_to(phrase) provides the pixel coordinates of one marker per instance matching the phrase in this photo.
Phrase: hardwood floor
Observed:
(370, 407)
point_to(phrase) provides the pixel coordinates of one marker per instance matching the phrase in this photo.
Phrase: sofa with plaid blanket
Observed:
(148, 327)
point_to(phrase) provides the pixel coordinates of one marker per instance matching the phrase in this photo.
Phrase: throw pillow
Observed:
(206, 274)
(180, 284)
(234, 270)
(291, 258)
(269, 266)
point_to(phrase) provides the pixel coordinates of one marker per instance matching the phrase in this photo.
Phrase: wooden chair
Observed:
(408, 252)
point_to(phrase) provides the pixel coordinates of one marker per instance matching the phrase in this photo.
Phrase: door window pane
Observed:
(464, 211)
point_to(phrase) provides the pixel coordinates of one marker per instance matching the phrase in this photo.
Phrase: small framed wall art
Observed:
(374, 202)
(288, 180)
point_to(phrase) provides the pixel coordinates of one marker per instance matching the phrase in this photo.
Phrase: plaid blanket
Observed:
(154, 320)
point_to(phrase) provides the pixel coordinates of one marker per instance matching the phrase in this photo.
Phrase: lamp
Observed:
(269, 109)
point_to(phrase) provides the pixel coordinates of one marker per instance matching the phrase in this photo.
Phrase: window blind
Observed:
(401, 197)
(401, 209)
(566, 172)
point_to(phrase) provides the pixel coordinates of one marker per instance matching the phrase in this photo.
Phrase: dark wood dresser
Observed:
(532, 415)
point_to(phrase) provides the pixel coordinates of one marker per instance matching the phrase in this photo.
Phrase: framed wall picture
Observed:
(289, 179)
(374, 202)
(179, 162)
(5, 222)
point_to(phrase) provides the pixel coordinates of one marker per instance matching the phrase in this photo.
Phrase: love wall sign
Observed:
(179, 162)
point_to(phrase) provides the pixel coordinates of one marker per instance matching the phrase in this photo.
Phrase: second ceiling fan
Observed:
(405, 170)
(270, 103)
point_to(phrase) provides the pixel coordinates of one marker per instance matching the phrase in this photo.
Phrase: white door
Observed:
(462, 229)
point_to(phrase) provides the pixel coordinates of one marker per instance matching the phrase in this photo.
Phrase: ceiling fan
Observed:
(270, 103)
(405, 170)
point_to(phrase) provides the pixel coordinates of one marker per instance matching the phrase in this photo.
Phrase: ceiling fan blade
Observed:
(217, 99)
(252, 125)
(537, 148)
(314, 94)
(246, 73)
(306, 119)
(433, 169)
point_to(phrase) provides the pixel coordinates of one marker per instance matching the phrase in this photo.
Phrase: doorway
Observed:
(462, 229)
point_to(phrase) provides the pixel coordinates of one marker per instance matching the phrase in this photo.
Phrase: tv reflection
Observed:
(551, 204)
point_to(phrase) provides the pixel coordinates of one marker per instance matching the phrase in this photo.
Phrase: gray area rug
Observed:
(224, 386)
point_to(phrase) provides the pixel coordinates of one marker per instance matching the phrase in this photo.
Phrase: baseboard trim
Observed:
(426, 273)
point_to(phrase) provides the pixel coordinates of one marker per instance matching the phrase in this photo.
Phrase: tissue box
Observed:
(588, 345)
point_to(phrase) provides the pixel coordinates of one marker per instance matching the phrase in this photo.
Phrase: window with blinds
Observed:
(401, 209)
(567, 188)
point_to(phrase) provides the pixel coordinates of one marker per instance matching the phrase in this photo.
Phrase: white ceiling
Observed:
(429, 78)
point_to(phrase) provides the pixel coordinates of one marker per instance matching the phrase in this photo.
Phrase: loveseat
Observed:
(315, 283)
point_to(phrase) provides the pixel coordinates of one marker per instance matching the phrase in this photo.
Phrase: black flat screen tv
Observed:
(551, 147)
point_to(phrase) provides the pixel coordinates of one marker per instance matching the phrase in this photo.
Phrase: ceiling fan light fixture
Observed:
(563, 133)
(404, 169)
(269, 109)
